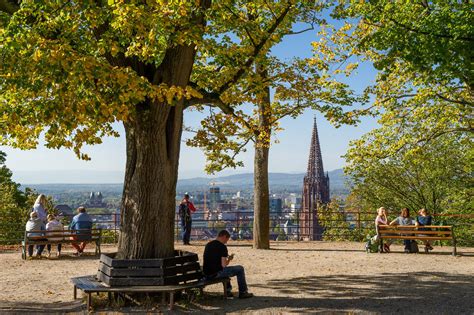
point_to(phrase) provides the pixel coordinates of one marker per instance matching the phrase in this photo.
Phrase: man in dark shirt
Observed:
(186, 208)
(216, 264)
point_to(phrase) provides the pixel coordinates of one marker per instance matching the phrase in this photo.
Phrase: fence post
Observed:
(358, 221)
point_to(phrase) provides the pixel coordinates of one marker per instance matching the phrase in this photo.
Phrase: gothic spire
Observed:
(315, 162)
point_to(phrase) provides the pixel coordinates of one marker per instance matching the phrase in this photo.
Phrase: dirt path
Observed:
(291, 277)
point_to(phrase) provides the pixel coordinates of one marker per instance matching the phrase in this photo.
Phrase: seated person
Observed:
(381, 219)
(35, 223)
(82, 221)
(405, 219)
(54, 225)
(216, 264)
(424, 219)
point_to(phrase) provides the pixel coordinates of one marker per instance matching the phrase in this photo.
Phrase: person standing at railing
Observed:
(40, 208)
(82, 221)
(186, 208)
(424, 219)
(35, 224)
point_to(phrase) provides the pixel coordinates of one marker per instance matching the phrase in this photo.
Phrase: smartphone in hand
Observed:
(231, 256)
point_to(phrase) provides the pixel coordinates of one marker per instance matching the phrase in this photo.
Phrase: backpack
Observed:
(184, 212)
(414, 247)
(372, 245)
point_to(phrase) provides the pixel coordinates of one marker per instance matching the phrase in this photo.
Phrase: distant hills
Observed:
(278, 182)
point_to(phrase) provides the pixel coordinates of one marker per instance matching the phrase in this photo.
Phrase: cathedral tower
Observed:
(315, 191)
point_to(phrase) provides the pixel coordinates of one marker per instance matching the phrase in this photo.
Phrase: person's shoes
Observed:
(386, 248)
(58, 254)
(430, 247)
(245, 295)
(407, 251)
(77, 254)
(229, 295)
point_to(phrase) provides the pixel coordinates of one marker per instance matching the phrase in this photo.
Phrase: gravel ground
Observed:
(306, 277)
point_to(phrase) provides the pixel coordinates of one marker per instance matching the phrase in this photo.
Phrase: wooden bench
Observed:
(167, 276)
(411, 232)
(61, 237)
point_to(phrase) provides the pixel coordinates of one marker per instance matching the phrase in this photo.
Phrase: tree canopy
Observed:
(69, 70)
(423, 53)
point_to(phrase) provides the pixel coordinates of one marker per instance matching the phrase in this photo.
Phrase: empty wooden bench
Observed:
(166, 276)
(411, 232)
(61, 237)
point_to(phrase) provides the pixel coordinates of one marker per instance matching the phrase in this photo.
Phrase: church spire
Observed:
(315, 162)
(315, 191)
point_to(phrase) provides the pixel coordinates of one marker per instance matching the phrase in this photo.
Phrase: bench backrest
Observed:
(183, 268)
(58, 235)
(434, 231)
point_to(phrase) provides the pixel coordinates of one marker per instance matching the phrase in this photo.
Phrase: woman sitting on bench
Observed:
(405, 219)
(35, 224)
(424, 219)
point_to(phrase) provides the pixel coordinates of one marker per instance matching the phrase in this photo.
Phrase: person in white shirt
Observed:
(40, 208)
(53, 225)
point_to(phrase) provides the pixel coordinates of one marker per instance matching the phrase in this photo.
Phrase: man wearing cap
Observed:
(185, 209)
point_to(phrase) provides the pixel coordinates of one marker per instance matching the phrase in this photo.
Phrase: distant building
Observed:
(64, 210)
(95, 201)
(214, 197)
(315, 191)
(276, 205)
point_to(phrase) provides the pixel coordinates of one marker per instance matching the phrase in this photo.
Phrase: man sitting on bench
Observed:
(216, 264)
(82, 223)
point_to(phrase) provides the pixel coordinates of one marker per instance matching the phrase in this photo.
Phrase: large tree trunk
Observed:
(153, 138)
(261, 202)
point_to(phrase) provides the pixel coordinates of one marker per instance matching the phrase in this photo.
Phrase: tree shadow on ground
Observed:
(8, 307)
(425, 293)
(319, 250)
(416, 293)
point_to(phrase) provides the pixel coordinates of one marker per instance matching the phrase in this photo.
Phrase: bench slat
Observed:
(382, 232)
(126, 272)
(413, 237)
(89, 284)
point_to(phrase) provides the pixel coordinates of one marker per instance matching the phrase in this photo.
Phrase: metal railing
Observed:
(335, 225)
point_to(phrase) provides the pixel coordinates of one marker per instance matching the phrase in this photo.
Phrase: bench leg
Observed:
(89, 301)
(171, 300)
(163, 298)
(75, 293)
(225, 283)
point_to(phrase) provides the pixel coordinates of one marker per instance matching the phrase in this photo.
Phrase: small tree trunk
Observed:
(261, 203)
(261, 206)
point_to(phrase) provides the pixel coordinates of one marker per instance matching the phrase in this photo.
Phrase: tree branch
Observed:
(415, 30)
(256, 52)
(245, 28)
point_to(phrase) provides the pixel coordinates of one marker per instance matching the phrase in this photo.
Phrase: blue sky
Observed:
(289, 155)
